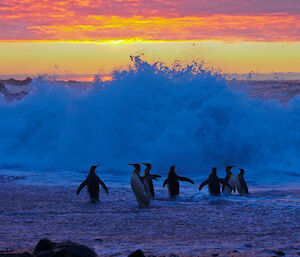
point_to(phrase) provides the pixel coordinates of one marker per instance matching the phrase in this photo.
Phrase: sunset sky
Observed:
(91, 36)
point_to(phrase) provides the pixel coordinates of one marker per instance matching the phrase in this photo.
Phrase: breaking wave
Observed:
(186, 116)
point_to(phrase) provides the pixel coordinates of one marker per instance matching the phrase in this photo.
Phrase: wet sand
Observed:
(194, 225)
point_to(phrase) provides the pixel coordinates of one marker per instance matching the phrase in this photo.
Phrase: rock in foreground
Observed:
(46, 248)
(137, 253)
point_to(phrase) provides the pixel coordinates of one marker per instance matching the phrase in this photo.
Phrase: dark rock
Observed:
(73, 81)
(16, 82)
(3, 89)
(43, 246)
(62, 253)
(11, 96)
(279, 253)
(248, 245)
(46, 248)
(137, 253)
(46, 253)
(214, 254)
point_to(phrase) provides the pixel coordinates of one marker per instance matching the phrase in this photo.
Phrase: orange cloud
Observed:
(217, 27)
(177, 20)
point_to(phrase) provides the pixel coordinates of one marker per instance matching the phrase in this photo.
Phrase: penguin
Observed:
(241, 184)
(230, 180)
(92, 181)
(173, 182)
(146, 176)
(140, 189)
(213, 183)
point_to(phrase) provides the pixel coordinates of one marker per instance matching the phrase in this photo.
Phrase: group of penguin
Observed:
(142, 186)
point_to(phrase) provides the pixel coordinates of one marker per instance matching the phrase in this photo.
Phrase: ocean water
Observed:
(183, 116)
(196, 224)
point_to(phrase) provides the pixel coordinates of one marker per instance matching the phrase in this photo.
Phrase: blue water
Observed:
(183, 116)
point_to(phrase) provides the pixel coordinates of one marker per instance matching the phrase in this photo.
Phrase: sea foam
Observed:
(186, 116)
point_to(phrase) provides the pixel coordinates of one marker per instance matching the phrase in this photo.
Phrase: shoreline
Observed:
(190, 226)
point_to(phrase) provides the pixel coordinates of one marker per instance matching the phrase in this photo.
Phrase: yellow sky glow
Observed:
(92, 58)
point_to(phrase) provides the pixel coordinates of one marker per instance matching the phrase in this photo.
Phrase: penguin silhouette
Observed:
(173, 182)
(241, 184)
(146, 176)
(140, 189)
(213, 183)
(230, 180)
(92, 182)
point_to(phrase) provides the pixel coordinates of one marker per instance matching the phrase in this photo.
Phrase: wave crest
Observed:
(186, 116)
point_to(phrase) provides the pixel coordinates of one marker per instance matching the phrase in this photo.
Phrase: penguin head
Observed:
(92, 169)
(242, 171)
(172, 168)
(228, 169)
(136, 166)
(214, 171)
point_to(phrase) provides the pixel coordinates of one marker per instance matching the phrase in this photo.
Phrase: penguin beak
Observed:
(143, 163)
(93, 168)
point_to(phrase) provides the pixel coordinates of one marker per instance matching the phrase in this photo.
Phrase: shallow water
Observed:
(195, 224)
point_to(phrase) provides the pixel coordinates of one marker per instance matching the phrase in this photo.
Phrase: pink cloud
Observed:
(150, 19)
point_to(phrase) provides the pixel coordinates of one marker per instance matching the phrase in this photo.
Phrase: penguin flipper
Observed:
(224, 182)
(103, 185)
(165, 182)
(223, 186)
(82, 185)
(155, 176)
(186, 179)
(204, 183)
